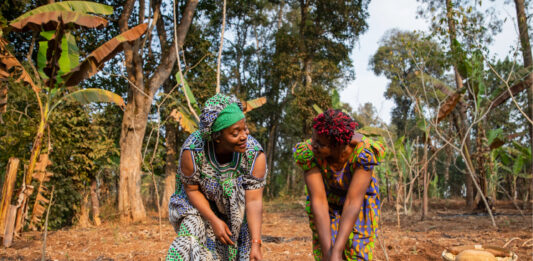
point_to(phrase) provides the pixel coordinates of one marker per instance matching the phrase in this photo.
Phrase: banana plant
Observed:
(187, 117)
(58, 64)
(511, 159)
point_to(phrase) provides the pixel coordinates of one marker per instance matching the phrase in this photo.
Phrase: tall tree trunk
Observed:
(95, 203)
(171, 168)
(130, 203)
(272, 137)
(528, 63)
(140, 95)
(462, 107)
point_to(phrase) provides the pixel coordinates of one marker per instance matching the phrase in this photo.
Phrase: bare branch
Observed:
(221, 45)
(164, 69)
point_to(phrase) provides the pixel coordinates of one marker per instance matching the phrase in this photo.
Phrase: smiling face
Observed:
(234, 137)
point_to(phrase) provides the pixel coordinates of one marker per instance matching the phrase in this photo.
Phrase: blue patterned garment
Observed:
(224, 187)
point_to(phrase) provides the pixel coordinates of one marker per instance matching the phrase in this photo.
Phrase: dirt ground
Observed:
(286, 235)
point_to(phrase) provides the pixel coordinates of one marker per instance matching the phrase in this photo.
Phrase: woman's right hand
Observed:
(221, 230)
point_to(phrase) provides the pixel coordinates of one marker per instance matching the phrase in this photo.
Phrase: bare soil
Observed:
(286, 235)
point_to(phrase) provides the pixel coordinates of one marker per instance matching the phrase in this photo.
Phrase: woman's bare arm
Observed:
(254, 207)
(319, 208)
(352, 207)
(254, 199)
(198, 200)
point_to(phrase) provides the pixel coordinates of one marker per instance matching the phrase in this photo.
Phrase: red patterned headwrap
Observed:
(336, 125)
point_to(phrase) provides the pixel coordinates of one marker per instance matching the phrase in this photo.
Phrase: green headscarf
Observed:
(227, 117)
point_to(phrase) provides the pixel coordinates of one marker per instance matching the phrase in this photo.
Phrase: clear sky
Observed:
(401, 14)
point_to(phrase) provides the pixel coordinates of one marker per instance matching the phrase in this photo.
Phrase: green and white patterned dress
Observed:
(224, 187)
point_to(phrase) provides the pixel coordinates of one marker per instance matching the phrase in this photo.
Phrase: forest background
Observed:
(460, 128)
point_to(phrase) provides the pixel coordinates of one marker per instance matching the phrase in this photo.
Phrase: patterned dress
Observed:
(367, 154)
(224, 187)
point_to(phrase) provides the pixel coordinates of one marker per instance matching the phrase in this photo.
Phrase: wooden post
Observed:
(7, 191)
(10, 225)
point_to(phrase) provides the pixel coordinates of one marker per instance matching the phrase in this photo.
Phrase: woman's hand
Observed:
(221, 231)
(255, 252)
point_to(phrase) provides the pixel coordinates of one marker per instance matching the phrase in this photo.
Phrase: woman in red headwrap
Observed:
(343, 196)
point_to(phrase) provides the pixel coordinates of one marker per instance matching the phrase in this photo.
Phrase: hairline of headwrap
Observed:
(227, 117)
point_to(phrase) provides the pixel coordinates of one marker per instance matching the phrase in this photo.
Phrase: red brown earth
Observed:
(286, 235)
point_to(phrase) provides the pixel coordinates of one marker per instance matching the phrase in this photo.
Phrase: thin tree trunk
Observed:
(223, 27)
(43, 251)
(307, 63)
(433, 173)
(528, 63)
(398, 194)
(425, 179)
(388, 189)
(482, 160)
(272, 137)
(293, 180)
(461, 117)
(469, 187)
(95, 203)
(288, 180)
(171, 168)
(447, 164)
(84, 210)
(408, 197)
(280, 13)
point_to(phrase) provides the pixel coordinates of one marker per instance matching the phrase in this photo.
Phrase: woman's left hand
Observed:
(255, 253)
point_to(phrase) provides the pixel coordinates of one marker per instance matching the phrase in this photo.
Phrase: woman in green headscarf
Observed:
(217, 207)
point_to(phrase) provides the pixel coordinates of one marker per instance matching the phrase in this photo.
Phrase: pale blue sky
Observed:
(401, 14)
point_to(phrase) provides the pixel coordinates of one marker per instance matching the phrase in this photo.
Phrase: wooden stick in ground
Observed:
(7, 191)
(43, 253)
(10, 225)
